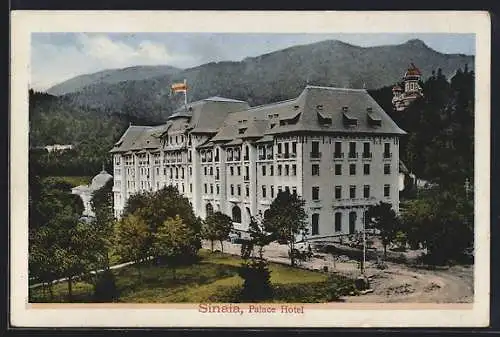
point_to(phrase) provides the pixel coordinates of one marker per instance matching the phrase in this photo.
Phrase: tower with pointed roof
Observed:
(410, 90)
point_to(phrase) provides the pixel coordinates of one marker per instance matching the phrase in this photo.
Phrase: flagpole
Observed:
(185, 93)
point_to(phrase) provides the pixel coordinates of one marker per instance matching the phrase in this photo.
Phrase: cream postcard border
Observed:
(23, 23)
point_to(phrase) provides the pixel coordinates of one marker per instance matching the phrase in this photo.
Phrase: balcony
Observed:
(315, 155)
(353, 155)
(367, 155)
(338, 155)
(269, 156)
(280, 155)
(387, 155)
(245, 158)
(216, 159)
(246, 178)
(293, 155)
(262, 157)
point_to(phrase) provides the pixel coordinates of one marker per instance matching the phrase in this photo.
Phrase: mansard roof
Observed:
(316, 109)
(138, 137)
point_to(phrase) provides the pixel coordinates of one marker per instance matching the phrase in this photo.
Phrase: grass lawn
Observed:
(213, 279)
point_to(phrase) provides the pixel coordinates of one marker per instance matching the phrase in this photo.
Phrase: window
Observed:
(239, 189)
(232, 170)
(366, 169)
(272, 191)
(338, 192)
(315, 224)
(263, 170)
(279, 189)
(217, 189)
(352, 150)
(209, 209)
(211, 171)
(338, 169)
(287, 150)
(294, 170)
(366, 191)
(279, 170)
(287, 170)
(366, 150)
(352, 191)
(232, 189)
(205, 170)
(211, 189)
(387, 150)
(247, 190)
(157, 171)
(352, 222)
(315, 169)
(190, 188)
(387, 190)
(217, 173)
(387, 168)
(352, 169)
(294, 147)
(287, 189)
(206, 189)
(315, 147)
(279, 147)
(190, 171)
(247, 172)
(176, 173)
(263, 191)
(239, 170)
(338, 150)
(271, 170)
(236, 214)
(338, 221)
(315, 193)
(294, 190)
(182, 173)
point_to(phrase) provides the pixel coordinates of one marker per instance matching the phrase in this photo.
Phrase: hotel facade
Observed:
(336, 148)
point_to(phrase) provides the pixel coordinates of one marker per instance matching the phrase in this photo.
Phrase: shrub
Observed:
(257, 280)
(105, 288)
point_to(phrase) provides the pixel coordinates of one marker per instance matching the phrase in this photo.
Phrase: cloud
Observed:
(53, 63)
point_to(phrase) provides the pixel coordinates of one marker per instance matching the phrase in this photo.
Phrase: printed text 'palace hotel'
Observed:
(336, 148)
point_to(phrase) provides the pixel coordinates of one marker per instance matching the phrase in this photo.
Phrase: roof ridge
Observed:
(334, 88)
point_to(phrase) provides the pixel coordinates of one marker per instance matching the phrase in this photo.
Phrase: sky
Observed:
(56, 57)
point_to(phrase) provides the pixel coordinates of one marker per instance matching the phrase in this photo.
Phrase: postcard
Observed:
(250, 169)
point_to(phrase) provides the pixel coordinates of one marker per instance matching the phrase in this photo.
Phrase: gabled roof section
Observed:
(209, 114)
(137, 138)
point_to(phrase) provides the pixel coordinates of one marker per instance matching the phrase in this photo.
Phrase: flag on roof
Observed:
(179, 87)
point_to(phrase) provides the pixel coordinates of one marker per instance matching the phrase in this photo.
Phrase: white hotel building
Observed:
(336, 148)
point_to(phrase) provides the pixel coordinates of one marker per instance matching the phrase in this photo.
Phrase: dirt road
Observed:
(397, 283)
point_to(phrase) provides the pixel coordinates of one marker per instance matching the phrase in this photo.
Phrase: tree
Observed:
(217, 226)
(442, 222)
(255, 269)
(132, 239)
(383, 218)
(285, 219)
(175, 242)
(103, 223)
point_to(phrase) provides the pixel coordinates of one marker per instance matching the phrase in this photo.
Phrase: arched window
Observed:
(236, 214)
(315, 224)
(352, 222)
(209, 209)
